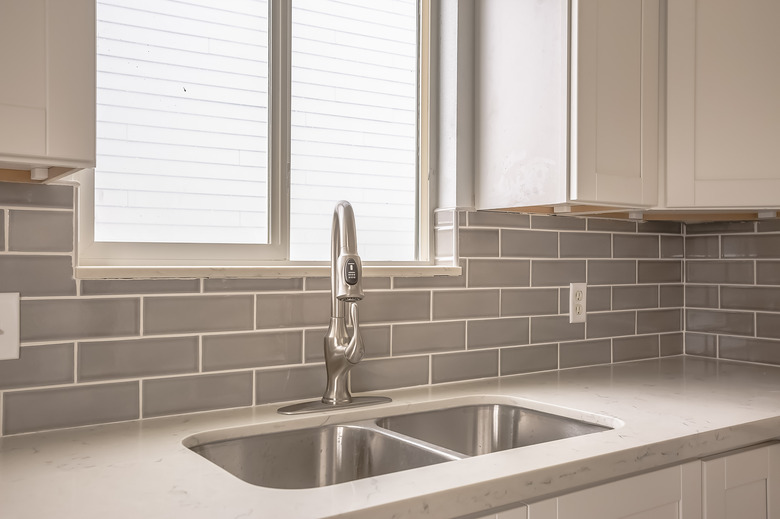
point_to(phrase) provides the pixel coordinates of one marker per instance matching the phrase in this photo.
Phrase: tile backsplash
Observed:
(97, 351)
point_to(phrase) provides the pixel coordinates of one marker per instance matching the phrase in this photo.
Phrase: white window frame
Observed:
(120, 259)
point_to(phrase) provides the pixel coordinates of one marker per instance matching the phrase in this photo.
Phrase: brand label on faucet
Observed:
(351, 272)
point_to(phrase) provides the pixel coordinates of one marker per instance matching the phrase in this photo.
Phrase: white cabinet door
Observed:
(743, 485)
(672, 493)
(47, 92)
(566, 117)
(723, 107)
(520, 512)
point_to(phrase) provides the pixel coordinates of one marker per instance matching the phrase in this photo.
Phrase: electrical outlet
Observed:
(578, 302)
(9, 326)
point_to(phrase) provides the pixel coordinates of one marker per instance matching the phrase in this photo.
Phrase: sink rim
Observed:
(282, 423)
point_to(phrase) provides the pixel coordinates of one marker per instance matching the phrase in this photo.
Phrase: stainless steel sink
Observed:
(317, 457)
(482, 429)
(331, 454)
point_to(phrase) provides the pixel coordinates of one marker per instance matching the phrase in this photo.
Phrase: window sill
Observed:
(279, 272)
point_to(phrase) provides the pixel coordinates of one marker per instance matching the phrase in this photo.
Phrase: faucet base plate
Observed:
(319, 406)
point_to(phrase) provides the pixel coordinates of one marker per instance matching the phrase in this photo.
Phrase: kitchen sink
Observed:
(482, 429)
(317, 457)
(338, 453)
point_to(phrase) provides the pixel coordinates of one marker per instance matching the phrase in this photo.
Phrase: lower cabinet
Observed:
(743, 484)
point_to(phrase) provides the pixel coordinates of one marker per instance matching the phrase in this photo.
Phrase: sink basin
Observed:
(485, 428)
(317, 457)
(338, 453)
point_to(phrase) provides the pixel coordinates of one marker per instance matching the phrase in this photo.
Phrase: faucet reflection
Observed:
(342, 352)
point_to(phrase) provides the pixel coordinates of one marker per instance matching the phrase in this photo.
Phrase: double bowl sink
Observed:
(331, 454)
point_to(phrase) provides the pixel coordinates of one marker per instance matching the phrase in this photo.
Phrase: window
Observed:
(227, 131)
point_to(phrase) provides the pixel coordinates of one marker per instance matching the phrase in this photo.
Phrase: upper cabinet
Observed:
(47, 90)
(723, 104)
(567, 103)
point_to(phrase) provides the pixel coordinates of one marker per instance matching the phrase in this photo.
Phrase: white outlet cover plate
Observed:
(578, 302)
(9, 326)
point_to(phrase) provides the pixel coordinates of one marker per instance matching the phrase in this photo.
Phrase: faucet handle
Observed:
(354, 350)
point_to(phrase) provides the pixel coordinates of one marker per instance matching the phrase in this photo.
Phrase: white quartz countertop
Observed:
(668, 411)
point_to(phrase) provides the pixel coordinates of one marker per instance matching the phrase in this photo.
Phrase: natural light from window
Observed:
(182, 123)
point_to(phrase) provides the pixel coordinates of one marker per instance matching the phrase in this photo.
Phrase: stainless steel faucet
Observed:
(346, 288)
(342, 352)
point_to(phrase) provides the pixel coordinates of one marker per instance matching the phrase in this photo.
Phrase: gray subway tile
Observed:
(634, 296)
(611, 225)
(42, 409)
(635, 246)
(529, 244)
(768, 225)
(635, 348)
(475, 243)
(465, 304)
(585, 353)
(392, 307)
(491, 333)
(248, 350)
(719, 227)
(252, 285)
(553, 273)
(701, 296)
(295, 310)
(611, 324)
(749, 349)
(137, 358)
(702, 247)
(499, 273)
(428, 337)
(318, 283)
(672, 247)
(585, 245)
(38, 366)
(376, 340)
(183, 314)
(768, 325)
(701, 344)
(669, 271)
(62, 319)
(611, 272)
(93, 287)
(390, 373)
(37, 276)
(671, 344)
(465, 365)
(36, 195)
(739, 272)
(555, 328)
(294, 383)
(750, 298)
(498, 219)
(660, 227)
(761, 246)
(196, 393)
(768, 272)
(672, 295)
(659, 321)
(529, 301)
(40, 231)
(558, 223)
(529, 359)
(715, 321)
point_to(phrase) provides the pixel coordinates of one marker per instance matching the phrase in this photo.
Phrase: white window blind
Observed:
(183, 123)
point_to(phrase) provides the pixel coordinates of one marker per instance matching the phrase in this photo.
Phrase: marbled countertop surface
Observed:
(671, 410)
